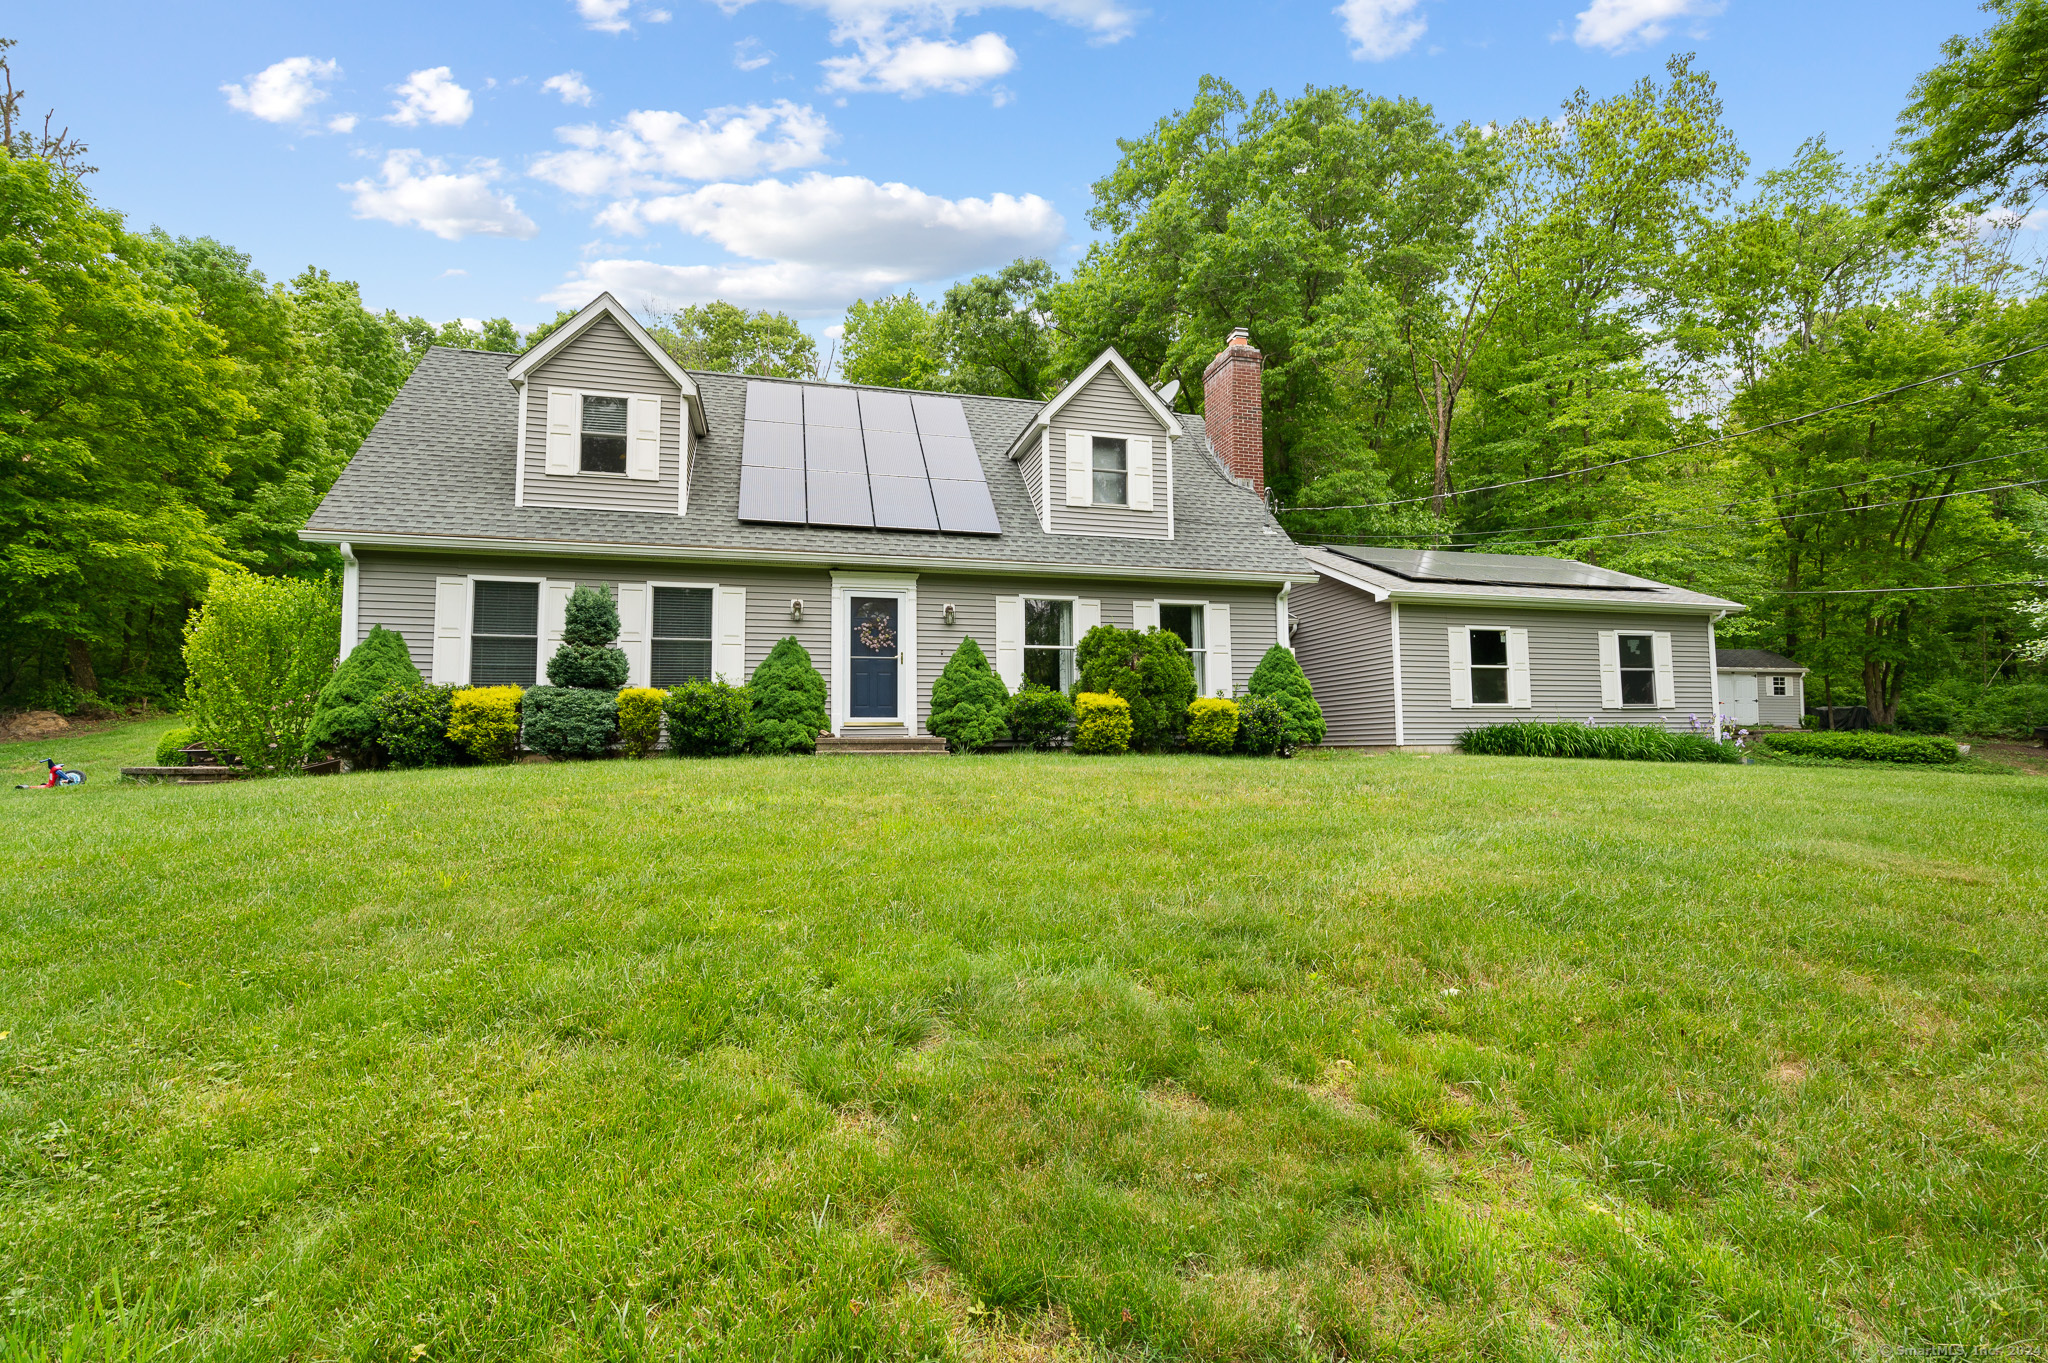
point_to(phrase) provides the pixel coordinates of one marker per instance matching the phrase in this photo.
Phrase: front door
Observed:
(877, 654)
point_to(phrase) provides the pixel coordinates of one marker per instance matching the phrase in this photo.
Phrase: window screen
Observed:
(604, 435)
(504, 643)
(1049, 643)
(1111, 472)
(1489, 666)
(1638, 669)
(681, 642)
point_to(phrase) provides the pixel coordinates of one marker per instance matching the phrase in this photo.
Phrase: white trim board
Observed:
(902, 586)
(604, 305)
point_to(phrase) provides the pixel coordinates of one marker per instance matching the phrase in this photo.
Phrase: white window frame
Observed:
(1521, 680)
(902, 586)
(1781, 687)
(540, 626)
(1656, 699)
(582, 393)
(1123, 440)
(1200, 655)
(648, 632)
(1024, 649)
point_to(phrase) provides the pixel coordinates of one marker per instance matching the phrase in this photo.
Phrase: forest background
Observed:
(1815, 388)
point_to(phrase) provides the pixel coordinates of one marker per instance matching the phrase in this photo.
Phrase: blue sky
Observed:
(469, 160)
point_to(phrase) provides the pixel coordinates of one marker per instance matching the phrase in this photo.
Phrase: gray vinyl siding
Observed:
(1107, 407)
(1779, 711)
(1345, 643)
(603, 359)
(1564, 668)
(1032, 467)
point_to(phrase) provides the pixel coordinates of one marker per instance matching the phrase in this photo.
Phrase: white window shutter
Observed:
(1010, 640)
(1518, 668)
(1080, 469)
(451, 631)
(1087, 615)
(729, 634)
(632, 600)
(1144, 615)
(1216, 628)
(1667, 689)
(1138, 459)
(1610, 670)
(554, 608)
(565, 425)
(1461, 667)
(643, 438)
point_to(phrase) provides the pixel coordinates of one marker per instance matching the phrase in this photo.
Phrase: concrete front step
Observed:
(879, 745)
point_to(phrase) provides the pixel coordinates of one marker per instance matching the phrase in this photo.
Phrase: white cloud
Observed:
(918, 66)
(1104, 20)
(606, 16)
(1380, 29)
(342, 123)
(649, 149)
(431, 96)
(801, 289)
(570, 86)
(285, 91)
(418, 191)
(1618, 25)
(454, 274)
(749, 55)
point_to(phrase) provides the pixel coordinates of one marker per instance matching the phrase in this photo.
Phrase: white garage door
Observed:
(1738, 696)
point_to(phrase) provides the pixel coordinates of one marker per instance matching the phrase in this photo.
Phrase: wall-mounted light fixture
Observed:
(948, 609)
(796, 608)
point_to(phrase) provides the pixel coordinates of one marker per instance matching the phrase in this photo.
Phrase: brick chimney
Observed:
(1231, 411)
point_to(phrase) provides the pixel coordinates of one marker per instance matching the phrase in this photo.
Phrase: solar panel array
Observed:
(812, 455)
(1494, 570)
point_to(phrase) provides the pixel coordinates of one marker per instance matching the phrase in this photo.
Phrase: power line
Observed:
(1876, 591)
(1694, 445)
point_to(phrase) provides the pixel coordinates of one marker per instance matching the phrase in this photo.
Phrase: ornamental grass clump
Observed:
(1621, 742)
(1151, 671)
(970, 704)
(1105, 724)
(1279, 676)
(640, 719)
(587, 658)
(1262, 727)
(567, 722)
(483, 721)
(1041, 716)
(789, 701)
(344, 716)
(412, 726)
(708, 718)
(257, 654)
(1863, 745)
(1212, 725)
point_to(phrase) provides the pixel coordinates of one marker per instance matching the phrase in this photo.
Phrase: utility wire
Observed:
(1694, 445)
(1877, 591)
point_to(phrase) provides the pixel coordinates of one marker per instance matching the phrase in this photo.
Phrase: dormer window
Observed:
(1111, 471)
(604, 434)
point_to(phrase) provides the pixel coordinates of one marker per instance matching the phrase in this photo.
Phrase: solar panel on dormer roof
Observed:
(1494, 570)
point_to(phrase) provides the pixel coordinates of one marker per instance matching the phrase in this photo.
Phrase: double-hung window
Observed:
(1049, 643)
(1186, 621)
(1489, 654)
(603, 434)
(504, 637)
(1111, 471)
(680, 644)
(1638, 668)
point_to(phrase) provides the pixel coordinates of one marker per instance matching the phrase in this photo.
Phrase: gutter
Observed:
(1715, 610)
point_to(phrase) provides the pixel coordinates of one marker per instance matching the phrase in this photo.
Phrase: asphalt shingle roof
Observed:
(1664, 595)
(439, 467)
(1754, 657)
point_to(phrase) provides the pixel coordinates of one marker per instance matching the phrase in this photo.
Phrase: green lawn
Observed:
(1025, 1057)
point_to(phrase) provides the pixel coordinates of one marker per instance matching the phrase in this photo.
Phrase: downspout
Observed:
(1714, 669)
(351, 597)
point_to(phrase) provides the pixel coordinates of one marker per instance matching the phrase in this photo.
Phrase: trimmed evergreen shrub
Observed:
(789, 701)
(1867, 745)
(1262, 727)
(707, 718)
(483, 721)
(1212, 725)
(1041, 716)
(590, 626)
(1622, 742)
(344, 716)
(412, 726)
(1105, 723)
(570, 721)
(257, 654)
(1151, 671)
(1280, 676)
(970, 704)
(640, 719)
(170, 749)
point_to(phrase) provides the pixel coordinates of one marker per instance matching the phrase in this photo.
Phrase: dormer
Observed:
(1098, 458)
(607, 420)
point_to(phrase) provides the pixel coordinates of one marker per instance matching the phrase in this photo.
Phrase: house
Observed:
(1760, 688)
(1408, 648)
(880, 527)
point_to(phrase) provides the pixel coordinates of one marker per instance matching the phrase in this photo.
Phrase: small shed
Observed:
(1759, 687)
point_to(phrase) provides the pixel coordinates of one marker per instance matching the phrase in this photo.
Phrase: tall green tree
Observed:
(1976, 130)
(996, 332)
(729, 339)
(894, 342)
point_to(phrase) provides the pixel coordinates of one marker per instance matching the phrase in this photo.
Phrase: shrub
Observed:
(708, 718)
(587, 659)
(484, 722)
(257, 654)
(970, 704)
(789, 701)
(570, 721)
(1262, 727)
(1151, 671)
(1867, 745)
(412, 726)
(344, 717)
(1105, 725)
(1041, 716)
(170, 749)
(1279, 676)
(1961, 706)
(1212, 725)
(640, 719)
(1623, 742)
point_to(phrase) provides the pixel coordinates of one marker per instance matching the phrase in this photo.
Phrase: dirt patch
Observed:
(1789, 1073)
(2030, 758)
(20, 728)
(1177, 1099)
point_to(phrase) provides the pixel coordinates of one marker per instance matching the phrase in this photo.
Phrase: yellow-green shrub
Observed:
(1105, 723)
(1212, 725)
(483, 721)
(640, 719)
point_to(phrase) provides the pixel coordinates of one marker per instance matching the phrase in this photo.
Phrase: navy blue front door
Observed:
(877, 653)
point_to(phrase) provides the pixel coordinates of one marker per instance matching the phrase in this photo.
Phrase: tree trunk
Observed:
(79, 657)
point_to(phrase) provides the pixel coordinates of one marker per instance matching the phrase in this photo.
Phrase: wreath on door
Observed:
(877, 632)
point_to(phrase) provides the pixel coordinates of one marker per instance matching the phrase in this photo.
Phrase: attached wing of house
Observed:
(878, 527)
